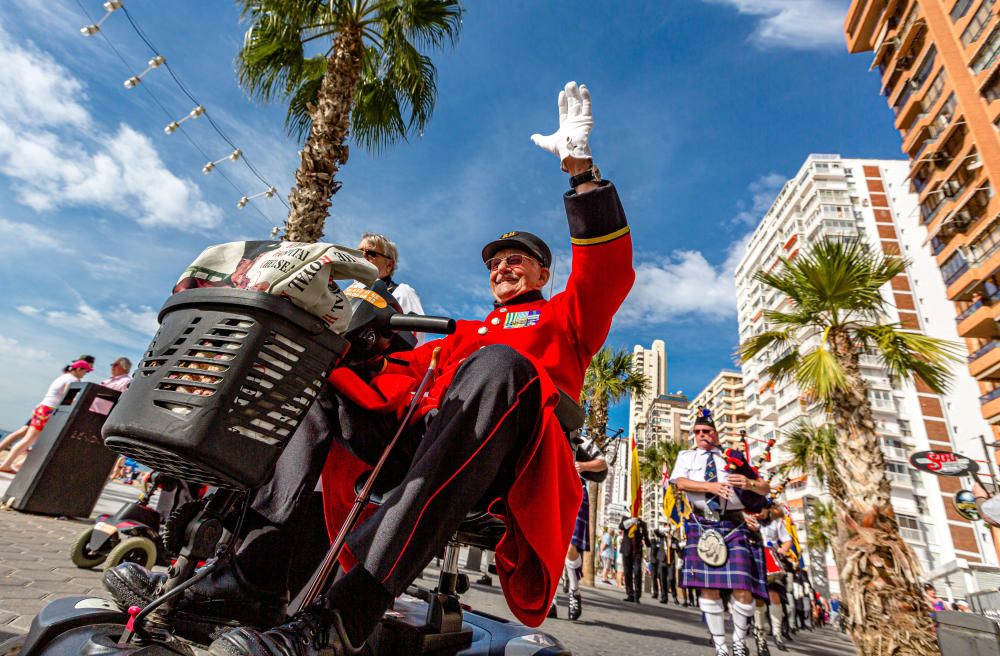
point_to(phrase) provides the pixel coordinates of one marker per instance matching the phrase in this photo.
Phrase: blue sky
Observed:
(702, 108)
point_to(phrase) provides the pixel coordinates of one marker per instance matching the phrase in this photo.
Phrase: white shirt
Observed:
(775, 533)
(57, 389)
(691, 465)
(408, 299)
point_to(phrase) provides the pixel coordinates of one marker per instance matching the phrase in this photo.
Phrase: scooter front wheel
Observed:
(133, 550)
(81, 555)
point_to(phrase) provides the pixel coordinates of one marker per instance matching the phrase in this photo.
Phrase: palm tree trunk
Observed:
(597, 425)
(325, 150)
(888, 614)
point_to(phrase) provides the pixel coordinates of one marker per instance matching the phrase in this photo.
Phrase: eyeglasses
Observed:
(512, 260)
(368, 253)
(707, 431)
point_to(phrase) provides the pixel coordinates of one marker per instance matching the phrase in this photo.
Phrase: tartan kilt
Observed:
(744, 570)
(581, 531)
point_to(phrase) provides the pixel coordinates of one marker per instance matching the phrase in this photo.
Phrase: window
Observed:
(904, 428)
(959, 9)
(987, 53)
(933, 92)
(909, 527)
(977, 23)
(992, 90)
(954, 267)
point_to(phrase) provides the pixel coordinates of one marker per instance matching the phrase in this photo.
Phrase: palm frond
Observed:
(909, 354)
(811, 450)
(821, 374)
(822, 526)
(612, 376)
(761, 342)
(837, 278)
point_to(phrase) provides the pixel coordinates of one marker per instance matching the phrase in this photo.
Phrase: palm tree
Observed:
(655, 457)
(823, 527)
(835, 289)
(609, 379)
(368, 77)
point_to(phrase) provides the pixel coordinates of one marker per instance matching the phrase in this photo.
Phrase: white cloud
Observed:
(763, 191)
(795, 24)
(57, 158)
(682, 286)
(26, 237)
(118, 325)
(11, 349)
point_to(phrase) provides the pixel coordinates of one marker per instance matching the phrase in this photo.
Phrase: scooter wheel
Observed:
(12, 647)
(81, 555)
(133, 550)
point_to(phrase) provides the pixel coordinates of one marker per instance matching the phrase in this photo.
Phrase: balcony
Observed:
(984, 363)
(990, 403)
(980, 318)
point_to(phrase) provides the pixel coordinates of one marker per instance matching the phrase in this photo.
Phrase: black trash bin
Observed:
(69, 465)
(967, 634)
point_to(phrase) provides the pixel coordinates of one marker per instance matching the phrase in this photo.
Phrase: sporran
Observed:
(712, 548)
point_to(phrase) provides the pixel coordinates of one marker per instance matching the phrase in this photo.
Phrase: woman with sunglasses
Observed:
(382, 252)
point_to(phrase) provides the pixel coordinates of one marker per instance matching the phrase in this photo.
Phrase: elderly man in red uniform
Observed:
(485, 434)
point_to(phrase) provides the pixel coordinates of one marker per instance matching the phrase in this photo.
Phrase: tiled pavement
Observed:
(35, 568)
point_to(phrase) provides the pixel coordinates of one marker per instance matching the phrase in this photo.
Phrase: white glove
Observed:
(575, 123)
(629, 523)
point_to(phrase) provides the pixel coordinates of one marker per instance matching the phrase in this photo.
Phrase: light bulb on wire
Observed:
(233, 156)
(110, 7)
(155, 62)
(193, 114)
(269, 193)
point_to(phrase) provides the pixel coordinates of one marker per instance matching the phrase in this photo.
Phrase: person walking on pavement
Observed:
(656, 560)
(722, 554)
(671, 554)
(635, 536)
(607, 555)
(76, 371)
(591, 466)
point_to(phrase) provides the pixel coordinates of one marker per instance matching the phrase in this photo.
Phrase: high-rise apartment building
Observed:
(868, 200)
(667, 420)
(652, 362)
(724, 397)
(937, 62)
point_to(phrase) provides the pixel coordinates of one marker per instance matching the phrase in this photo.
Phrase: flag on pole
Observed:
(674, 508)
(665, 479)
(635, 482)
(796, 550)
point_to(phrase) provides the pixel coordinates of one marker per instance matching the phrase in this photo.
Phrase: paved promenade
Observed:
(35, 568)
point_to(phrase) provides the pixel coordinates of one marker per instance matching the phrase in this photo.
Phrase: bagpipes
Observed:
(738, 462)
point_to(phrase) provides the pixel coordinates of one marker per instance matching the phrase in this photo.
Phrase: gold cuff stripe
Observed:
(599, 240)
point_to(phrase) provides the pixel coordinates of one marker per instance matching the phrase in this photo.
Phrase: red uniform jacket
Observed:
(559, 336)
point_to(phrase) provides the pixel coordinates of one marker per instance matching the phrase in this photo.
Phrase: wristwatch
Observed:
(593, 174)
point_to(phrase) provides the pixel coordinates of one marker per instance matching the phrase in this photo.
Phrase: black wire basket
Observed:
(224, 384)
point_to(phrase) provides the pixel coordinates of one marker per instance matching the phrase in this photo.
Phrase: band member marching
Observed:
(777, 547)
(722, 553)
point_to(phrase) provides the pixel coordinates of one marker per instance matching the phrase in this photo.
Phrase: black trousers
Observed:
(633, 575)
(462, 458)
(668, 581)
(655, 570)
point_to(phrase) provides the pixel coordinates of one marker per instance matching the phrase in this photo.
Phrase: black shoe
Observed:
(760, 639)
(629, 598)
(315, 630)
(575, 606)
(665, 600)
(224, 599)
(131, 584)
(780, 643)
(485, 579)
(677, 602)
(553, 611)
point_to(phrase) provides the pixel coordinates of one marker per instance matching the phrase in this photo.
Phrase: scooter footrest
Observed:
(404, 630)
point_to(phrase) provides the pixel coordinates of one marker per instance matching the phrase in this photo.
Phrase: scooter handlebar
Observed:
(422, 324)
